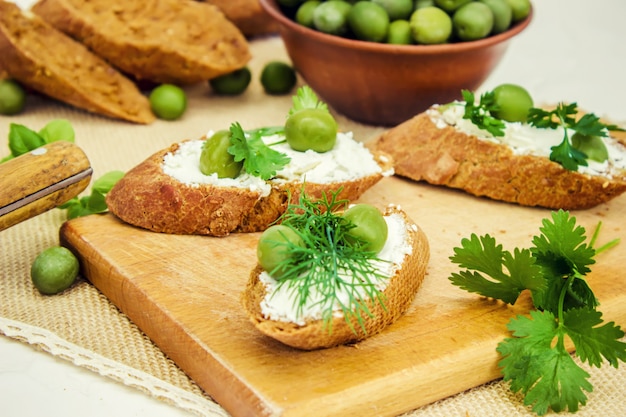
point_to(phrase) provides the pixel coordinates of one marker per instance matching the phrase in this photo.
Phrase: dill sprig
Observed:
(329, 266)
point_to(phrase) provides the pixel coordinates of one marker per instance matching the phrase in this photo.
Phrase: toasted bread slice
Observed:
(164, 41)
(247, 15)
(44, 59)
(422, 151)
(314, 333)
(150, 198)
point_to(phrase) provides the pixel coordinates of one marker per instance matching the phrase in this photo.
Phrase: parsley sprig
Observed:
(95, 202)
(535, 359)
(258, 158)
(564, 115)
(306, 98)
(329, 264)
(480, 114)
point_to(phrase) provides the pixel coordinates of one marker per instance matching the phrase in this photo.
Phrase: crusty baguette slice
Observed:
(164, 41)
(46, 60)
(314, 334)
(147, 197)
(446, 156)
(247, 15)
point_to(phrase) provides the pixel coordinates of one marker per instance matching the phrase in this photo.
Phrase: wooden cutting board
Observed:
(183, 292)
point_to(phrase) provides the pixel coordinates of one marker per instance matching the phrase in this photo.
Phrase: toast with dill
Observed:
(316, 333)
(441, 154)
(163, 41)
(46, 60)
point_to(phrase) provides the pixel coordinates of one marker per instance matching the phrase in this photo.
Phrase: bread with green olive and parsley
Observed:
(243, 181)
(308, 302)
(530, 165)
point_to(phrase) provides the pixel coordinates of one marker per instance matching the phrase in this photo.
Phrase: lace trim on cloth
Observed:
(128, 376)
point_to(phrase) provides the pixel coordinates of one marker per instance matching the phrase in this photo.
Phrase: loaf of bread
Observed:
(151, 198)
(46, 60)
(313, 333)
(439, 153)
(248, 16)
(163, 41)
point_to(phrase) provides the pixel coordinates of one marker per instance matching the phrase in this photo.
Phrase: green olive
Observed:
(12, 97)
(396, 9)
(278, 77)
(472, 21)
(332, 17)
(370, 227)
(368, 21)
(400, 33)
(502, 14)
(430, 25)
(168, 101)
(521, 9)
(273, 249)
(314, 129)
(450, 6)
(215, 158)
(233, 83)
(513, 103)
(54, 270)
(304, 14)
(592, 146)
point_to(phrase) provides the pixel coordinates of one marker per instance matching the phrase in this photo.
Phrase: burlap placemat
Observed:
(83, 327)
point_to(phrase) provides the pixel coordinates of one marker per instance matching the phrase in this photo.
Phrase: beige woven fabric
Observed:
(82, 326)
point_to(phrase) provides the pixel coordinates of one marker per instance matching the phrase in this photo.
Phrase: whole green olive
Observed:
(592, 146)
(370, 226)
(273, 249)
(314, 129)
(215, 158)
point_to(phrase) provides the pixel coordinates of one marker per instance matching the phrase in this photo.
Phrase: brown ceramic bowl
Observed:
(383, 84)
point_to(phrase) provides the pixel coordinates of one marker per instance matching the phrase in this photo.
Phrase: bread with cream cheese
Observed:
(422, 151)
(44, 59)
(150, 198)
(163, 41)
(397, 297)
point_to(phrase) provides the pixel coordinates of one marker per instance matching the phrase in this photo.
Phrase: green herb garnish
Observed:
(480, 114)
(95, 202)
(565, 116)
(329, 263)
(23, 139)
(258, 158)
(535, 359)
(306, 98)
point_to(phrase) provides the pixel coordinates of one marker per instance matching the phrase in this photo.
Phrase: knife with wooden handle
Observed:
(40, 180)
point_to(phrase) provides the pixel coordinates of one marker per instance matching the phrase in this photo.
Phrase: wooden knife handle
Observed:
(40, 180)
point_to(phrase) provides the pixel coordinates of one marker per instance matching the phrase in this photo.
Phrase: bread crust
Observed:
(44, 59)
(424, 152)
(398, 297)
(163, 41)
(149, 198)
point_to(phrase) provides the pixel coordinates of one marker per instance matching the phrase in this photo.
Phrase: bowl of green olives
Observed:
(383, 68)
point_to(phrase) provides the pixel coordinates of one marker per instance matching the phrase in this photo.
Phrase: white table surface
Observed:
(574, 50)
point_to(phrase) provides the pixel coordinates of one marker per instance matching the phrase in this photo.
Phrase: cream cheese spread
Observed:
(279, 305)
(524, 139)
(348, 160)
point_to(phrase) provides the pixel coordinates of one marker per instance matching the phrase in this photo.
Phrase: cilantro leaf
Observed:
(480, 115)
(483, 255)
(592, 342)
(258, 159)
(546, 375)
(306, 98)
(560, 251)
